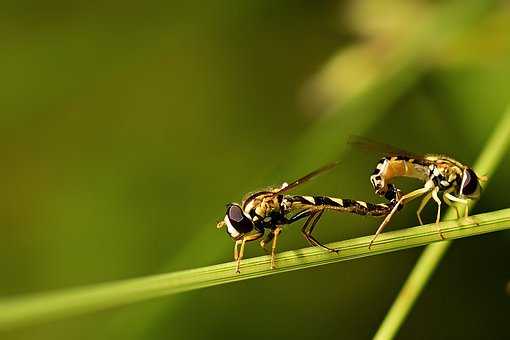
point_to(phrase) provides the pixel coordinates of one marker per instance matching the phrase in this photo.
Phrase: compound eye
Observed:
(237, 222)
(469, 182)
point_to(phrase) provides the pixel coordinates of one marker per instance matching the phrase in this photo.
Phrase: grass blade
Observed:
(25, 311)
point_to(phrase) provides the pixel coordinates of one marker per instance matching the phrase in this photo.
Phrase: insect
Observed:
(458, 182)
(269, 210)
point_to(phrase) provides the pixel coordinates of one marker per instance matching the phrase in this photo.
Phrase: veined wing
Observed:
(383, 149)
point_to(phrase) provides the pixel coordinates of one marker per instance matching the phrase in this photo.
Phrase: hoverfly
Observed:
(458, 182)
(273, 208)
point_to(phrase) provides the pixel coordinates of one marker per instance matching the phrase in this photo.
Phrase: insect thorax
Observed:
(445, 174)
(265, 209)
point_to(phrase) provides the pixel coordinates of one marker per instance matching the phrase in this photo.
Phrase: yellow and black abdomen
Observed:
(344, 205)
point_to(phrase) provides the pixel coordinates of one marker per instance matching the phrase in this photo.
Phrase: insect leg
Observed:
(236, 250)
(423, 203)
(311, 238)
(311, 221)
(242, 241)
(300, 215)
(438, 216)
(269, 237)
(311, 217)
(276, 232)
(448, 201)
(404, 199)
(459, 200)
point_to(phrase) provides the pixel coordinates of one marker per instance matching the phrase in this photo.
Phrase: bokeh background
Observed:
(127, 127)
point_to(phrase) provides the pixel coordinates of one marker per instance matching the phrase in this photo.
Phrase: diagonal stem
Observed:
(45, 307)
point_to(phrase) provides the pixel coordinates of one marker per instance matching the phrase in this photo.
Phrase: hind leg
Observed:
(308, 227)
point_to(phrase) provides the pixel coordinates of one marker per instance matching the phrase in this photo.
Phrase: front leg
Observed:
(239, 255)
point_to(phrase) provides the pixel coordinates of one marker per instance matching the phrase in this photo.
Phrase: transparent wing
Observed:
(307, 177)
(265, 190)
(365, 144)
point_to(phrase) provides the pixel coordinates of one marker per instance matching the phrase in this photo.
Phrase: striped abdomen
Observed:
(345, 205)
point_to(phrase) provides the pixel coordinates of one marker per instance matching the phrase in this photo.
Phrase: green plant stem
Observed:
(24, 311)
(494, 150)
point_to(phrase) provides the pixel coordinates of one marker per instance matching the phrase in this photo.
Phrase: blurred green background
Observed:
(127, 127)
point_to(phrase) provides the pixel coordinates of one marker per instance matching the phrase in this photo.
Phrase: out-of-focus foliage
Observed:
(127, 127)
(356, 67)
